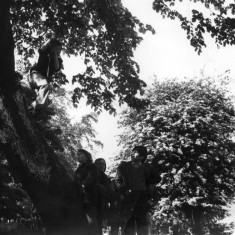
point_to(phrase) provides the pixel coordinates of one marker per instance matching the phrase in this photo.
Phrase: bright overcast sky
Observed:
(168, 53)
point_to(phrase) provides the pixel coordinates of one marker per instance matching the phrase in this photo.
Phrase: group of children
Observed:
(121, 204)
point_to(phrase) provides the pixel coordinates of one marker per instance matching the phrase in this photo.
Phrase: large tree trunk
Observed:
(42, 174)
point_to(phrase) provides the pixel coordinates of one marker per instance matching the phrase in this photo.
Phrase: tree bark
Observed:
(6, 45)
(43, 175)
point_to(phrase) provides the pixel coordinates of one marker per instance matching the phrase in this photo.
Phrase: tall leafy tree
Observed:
(106, 34)
(189, 129)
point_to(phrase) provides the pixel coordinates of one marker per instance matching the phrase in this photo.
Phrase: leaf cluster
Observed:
(103, 32)
(219, 24)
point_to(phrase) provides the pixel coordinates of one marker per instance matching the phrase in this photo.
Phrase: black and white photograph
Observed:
(117, 117)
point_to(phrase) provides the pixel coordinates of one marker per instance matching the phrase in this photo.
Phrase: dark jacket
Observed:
(106, 197)
(105, 189)
(45, 63)
(86, 177)
(134, 203)
(122, 180)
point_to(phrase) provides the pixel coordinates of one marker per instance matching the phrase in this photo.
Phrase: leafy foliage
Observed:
(214, 17)
(104, 33)
(63, 135)
(188, 128)
(14, 201)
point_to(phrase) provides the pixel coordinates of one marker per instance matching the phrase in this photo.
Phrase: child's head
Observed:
(100, 164)
(84, 156)
(54, 47)
(139, 153)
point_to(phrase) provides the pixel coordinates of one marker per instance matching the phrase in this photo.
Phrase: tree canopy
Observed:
(103, 32)
(188, 128)
(106, 34)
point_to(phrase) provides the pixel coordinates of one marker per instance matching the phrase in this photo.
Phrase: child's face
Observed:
(82, 158)
(101, 165)
(136, 157)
